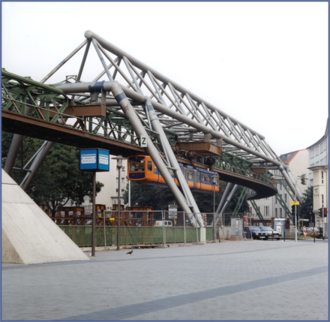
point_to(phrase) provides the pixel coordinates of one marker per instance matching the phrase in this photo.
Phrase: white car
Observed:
(270, 232)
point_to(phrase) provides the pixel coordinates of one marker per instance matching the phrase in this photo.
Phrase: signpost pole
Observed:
(184, 228)
(93, 215)
(214, 227)
(94, 160)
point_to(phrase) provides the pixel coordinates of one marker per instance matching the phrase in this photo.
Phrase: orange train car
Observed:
(142, 169)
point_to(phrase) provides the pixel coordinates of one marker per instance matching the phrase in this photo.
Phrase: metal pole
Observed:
(93, 215)
(184, 228)
(105, 238)
(295, 208)
(314, 229)
(322, 221)
(129, 193)
(214, 232)
(118, 213)
(163, 225)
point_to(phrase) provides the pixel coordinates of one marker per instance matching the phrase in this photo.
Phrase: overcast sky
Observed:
(265, 64)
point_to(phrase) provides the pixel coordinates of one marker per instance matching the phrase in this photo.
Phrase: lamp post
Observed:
(214, 181)
(302, 177)
(119, 165)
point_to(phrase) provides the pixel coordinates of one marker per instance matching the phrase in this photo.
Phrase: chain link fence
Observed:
(153, 227)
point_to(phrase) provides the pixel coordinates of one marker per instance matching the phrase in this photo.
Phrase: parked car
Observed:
(253, 231)
(270, 232)
(310, 231)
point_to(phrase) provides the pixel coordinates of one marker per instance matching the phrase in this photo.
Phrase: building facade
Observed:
(318, 176)
(298, 163)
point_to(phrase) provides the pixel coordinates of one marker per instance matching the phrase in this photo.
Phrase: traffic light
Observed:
(320, 212)
(293, 210)
(303, 179)
(325, 212)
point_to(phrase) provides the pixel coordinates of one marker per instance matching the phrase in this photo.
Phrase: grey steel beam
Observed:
(174, 163)
(151, 149)
(226, 201)
(117, 51)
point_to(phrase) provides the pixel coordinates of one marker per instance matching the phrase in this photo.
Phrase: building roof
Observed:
(322, 138)
(288, 157)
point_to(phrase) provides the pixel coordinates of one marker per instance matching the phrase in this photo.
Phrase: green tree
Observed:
(306, 206)
(58, 179)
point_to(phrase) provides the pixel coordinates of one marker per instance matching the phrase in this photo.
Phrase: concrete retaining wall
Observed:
(29, 236)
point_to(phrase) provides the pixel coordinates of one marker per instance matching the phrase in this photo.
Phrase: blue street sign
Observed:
(94, 160)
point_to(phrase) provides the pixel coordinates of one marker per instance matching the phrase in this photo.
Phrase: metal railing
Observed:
(165, 228)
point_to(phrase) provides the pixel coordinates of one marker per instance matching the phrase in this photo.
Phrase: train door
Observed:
(195, 178)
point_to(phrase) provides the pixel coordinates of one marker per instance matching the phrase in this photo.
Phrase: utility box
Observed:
(236, 230)
(279, 225)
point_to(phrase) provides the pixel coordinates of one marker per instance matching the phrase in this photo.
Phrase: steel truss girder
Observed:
(115, 125)
(240, 200)
(254, 205)
(173, 102)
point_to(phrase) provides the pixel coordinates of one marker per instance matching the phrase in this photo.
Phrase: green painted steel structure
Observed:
(19, 93)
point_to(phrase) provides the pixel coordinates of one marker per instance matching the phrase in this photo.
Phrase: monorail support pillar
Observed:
(151, 149)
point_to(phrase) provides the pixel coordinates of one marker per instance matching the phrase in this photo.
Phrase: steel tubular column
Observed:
(228, 200)
(12, 154)
(152, 151)
(14, 147)
(174, 163)
(35, 165)
(223, 198)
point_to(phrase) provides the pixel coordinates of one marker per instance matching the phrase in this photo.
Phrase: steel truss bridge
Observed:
(129, 100)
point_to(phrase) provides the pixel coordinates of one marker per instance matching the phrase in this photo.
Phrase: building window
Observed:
(123, 169)
(117, 179)
(322, 200)
(280, 212)
(266, 211)
(322, 175)
(285, 197)
(275, 200)
(122, 190)
(275, 212)
(280, 186)
(117, 190)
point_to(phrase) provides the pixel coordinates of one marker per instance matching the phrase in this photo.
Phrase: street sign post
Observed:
(94, 160)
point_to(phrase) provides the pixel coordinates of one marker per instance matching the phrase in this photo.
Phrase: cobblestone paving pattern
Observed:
(249, 280)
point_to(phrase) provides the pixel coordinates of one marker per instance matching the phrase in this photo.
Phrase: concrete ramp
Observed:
(29, 236)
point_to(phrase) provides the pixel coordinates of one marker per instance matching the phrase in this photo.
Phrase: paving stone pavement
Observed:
(242, 280)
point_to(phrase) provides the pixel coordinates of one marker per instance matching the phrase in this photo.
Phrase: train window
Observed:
(149, 166)
(171, 172)
(155, 169)
(198, 177)
(136, 165)
(190, 175)
(207, 178)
